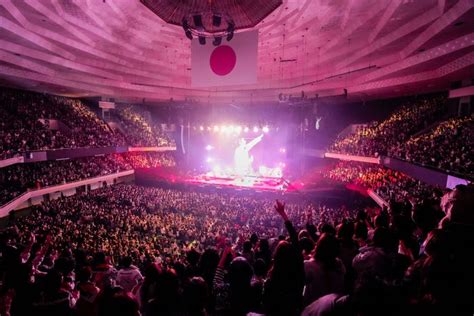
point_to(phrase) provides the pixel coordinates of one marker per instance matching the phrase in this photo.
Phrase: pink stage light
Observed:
(209, 147)
(216, 128)
(283, 150)
(256, 129)
(201, 128)
(209, 160)
(246, 129)
(265, 129)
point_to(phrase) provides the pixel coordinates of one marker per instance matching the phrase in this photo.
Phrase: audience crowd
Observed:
(128, 250)
(389, 184)
(25, 120)
(33, 121)
(147, 159)
(131, 250)
(450, 147)
(379, 137)
(16, 179)
(19, 178)
(141, 131)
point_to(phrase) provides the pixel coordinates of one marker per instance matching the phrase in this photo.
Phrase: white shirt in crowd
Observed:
(127, 278)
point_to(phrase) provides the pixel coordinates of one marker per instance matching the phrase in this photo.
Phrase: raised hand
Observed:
(280, 208)
(227, 251)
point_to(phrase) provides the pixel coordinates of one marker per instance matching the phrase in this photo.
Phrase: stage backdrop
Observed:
(231, 63)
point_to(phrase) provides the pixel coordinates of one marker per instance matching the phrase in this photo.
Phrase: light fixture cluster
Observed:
(206, 25)
(234, 129)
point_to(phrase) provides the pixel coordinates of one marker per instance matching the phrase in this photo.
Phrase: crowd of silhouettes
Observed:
(131, 250)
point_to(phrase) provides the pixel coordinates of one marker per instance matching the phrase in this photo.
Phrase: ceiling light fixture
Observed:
(217, 41)
(212, 25)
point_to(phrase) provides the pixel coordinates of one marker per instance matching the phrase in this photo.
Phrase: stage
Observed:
(244, 182)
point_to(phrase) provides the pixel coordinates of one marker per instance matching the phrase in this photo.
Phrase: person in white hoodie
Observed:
(129, 276)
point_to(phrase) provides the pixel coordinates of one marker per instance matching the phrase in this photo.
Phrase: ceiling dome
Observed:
(121, 49)
(243, 13)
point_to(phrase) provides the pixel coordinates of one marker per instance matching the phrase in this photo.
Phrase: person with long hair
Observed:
(232, 284)
(282, 293)
(324, 273)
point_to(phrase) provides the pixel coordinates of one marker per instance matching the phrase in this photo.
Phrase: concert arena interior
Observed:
(236, 158)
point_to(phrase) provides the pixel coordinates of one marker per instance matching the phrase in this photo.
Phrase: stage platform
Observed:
(246, 182)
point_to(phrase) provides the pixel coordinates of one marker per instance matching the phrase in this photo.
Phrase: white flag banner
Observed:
(231, 63)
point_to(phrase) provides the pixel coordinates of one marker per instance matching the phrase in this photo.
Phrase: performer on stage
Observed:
(242, 159)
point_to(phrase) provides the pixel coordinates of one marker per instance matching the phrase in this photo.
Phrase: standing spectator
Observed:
(88, 293)
(282, 294)
(324, 273)
(129, 276)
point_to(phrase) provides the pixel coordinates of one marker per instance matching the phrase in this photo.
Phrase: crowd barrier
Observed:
(381, 202)
(374, 160)
(11, 161)
(152, 149)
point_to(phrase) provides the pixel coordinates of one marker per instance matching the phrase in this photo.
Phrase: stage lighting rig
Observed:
(210, 18)
(217, 41)
(216, 20)
(230, 31)
(207, 25)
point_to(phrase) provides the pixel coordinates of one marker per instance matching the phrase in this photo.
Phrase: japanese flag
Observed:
(231, 63)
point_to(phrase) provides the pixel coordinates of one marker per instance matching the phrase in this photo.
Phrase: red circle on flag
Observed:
(223, 60)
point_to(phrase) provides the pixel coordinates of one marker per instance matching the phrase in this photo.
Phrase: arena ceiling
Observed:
(120, 49)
